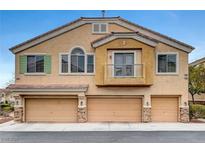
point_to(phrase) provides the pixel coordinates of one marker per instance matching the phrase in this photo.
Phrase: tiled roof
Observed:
(48, 86)
(5, 91)
(197, 62)
(101, 18)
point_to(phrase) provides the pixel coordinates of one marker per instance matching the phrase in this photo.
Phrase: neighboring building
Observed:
(101, 70)
(198, 98)
(6, 96)
(198, 62)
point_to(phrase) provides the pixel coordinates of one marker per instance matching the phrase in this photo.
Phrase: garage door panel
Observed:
(165, 109)
(51, 110)
(114, 110)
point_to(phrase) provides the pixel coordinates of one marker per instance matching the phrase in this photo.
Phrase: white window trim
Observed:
(177, 63)
(100, 23)
(69, 64)
(113, 63)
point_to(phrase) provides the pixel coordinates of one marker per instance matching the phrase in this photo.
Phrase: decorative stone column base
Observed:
(82, 114)
(18, 114)
(184, 114)
(147, 114)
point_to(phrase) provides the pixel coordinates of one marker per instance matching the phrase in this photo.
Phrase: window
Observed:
(123, 64)
(64, 63)
(35, 64)
(167, 63)
(90, 63)
(77, 61)
(100, 28)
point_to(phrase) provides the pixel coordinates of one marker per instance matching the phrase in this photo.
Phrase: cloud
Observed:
(173, 15)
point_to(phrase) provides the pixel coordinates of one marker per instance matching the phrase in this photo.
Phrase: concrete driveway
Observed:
(47, 127)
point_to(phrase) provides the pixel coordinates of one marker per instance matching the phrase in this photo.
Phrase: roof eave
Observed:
(136, 36)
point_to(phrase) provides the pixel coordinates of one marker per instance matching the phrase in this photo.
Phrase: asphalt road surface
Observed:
(104, 137)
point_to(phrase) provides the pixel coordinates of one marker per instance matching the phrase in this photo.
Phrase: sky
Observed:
(19, 26)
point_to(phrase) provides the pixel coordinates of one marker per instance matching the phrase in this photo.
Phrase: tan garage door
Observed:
(51, 110)
(164, 109)
(114, 109)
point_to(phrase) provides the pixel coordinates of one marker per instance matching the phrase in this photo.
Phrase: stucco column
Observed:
(184, 110)
(146, 115)
(82, 108)
(18, 109)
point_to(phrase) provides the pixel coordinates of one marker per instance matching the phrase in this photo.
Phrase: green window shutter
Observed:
(23, 64)
(47, 64)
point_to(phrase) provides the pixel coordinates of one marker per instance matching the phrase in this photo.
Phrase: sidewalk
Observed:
(12, 126)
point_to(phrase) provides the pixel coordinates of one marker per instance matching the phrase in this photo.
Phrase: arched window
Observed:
(77, 60)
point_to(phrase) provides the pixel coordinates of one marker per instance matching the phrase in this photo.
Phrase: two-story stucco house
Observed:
(102, 70)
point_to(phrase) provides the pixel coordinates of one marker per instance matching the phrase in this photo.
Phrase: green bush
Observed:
(7, 107)
(197, 111)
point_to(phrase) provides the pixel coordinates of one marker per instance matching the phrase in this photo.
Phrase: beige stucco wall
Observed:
(82, 36)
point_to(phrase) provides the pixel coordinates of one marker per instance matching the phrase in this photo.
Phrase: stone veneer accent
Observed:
(18, 114)
(82, 114)
(184, 114)
(146, 117)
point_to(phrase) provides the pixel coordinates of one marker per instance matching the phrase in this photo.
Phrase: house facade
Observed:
(101, 70)
(198, 98)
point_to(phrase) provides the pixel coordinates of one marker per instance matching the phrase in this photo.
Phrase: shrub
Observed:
(5, 105)
(197, 111)
(7, 109)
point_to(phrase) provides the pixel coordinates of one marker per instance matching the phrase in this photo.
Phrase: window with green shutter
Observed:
(35, 64)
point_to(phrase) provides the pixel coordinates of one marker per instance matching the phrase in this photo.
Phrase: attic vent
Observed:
(100, 28)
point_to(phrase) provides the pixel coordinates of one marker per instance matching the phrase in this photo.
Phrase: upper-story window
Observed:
(64, 63)
(167, 63)
(100, 28)
(35, 64)
(77, 62)
(123, 64)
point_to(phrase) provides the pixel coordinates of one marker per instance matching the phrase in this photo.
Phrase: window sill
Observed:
(168, 74)
(77, 74)
(35, 74)
(127, 77)
(100, 33)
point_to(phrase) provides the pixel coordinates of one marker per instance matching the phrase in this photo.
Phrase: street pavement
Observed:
(104, 137)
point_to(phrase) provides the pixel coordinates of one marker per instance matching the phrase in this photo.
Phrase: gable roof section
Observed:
(117, 35)
(117, 20)
(197, 62)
